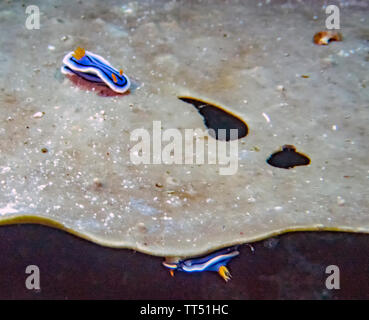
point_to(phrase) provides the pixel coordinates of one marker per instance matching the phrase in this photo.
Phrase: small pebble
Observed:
(38, 114)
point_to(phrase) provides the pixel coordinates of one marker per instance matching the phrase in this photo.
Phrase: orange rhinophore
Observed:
(324, 37)
(121, 72)
(79, 53)
(114, 77)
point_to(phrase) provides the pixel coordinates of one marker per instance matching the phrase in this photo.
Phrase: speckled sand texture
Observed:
(248, 57)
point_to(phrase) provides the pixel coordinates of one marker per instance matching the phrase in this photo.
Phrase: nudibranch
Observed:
(94, 68)
(216, 261)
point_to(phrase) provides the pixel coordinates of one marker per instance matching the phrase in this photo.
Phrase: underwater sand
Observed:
(65, 151)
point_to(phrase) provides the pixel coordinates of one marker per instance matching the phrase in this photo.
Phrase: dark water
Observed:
(290, 266)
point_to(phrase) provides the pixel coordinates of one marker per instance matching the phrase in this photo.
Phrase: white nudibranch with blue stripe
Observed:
(216, 261)
(94, 68)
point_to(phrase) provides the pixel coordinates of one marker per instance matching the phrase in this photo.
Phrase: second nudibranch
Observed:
(216, 261)
(95, 68)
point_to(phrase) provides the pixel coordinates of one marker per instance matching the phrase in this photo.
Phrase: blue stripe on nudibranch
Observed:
(85, 75)
(94, 68)
(213, 262)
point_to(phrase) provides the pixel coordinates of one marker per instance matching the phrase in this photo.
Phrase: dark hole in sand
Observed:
(288, 158)
(216, 118)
